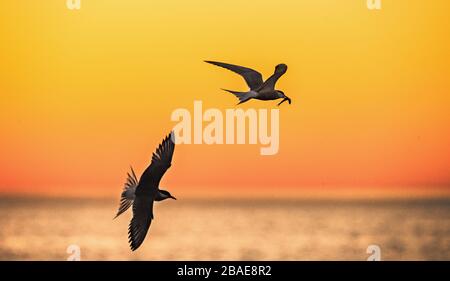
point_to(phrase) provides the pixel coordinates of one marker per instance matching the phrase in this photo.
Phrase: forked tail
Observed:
(242, 96)
(127, 196)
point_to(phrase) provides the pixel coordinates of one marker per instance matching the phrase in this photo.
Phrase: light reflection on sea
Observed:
(42, 229)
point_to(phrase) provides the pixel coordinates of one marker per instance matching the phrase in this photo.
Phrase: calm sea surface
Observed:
(42, 229)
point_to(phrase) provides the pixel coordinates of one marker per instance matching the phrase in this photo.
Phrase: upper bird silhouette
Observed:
(259, 89)
(144, 192)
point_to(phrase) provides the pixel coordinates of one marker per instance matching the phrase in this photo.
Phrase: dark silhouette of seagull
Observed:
(259, 89)
(142, 193)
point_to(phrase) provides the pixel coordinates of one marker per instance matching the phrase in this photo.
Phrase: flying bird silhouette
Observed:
(259, 89)
(142, 193)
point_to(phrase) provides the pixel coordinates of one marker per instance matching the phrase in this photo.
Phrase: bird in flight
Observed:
(259, 89)
(142, 193)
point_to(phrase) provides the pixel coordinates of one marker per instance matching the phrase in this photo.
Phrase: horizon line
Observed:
(310, 193)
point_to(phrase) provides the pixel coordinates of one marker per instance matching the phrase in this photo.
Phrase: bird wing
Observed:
(140, 223)
(269, 84)
(252, 77)
(161, 161)
(127, 195)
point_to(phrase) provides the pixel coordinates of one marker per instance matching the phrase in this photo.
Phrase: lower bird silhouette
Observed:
(142, 193)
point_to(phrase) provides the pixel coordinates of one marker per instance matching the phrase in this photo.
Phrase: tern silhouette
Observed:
(142, 193)
(259, 89)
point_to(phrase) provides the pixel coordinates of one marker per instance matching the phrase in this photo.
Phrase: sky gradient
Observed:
(84, 94)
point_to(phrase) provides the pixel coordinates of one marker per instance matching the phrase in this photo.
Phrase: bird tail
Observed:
(127, 196)
(242, 96)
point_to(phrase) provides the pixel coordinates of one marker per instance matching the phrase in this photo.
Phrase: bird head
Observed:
(284, 97)
(166, 194)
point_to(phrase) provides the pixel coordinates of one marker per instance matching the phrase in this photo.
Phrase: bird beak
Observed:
(285, 99)
(173, 198)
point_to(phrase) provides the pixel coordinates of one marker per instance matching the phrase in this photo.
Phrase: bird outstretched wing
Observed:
(252, 77)
(269, 84)
(127, 196)
(140, 223)
(161, 161)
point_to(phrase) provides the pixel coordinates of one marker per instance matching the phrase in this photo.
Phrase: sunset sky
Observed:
(86, 93)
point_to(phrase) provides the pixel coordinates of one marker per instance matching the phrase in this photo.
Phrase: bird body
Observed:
(259, 89)
(141, 194)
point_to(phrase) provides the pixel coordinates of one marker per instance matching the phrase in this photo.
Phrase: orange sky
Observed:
(84, 94)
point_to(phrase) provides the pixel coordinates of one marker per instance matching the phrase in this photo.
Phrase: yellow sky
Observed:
(84, 94)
